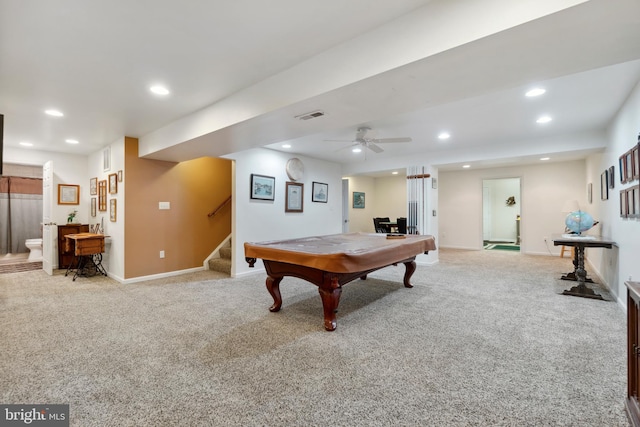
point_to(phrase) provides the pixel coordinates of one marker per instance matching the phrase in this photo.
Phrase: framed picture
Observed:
(106, 159)
(112, 210)
(623, 203)
(633, 202)
(628, 168)
(358, 200)
(68, 194)
(590, 192)
(294, 199)
(93, 206)
(635, 167)
(434, 183)
(120, 175)
(263, 187)
(319, 192)
(102, 195)
(612, 178)
(604, 185)
(113, 183)
(93, 186)
(621, 165)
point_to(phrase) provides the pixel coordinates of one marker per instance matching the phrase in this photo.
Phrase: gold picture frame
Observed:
(112, 210)
(102, 195)
(68, 194)
(113, 183)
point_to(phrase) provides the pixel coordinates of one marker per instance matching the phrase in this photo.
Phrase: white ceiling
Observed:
(94, 60)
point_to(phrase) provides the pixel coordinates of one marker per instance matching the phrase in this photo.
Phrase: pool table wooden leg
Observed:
(273, 286)
(330, 300)
(410, 269)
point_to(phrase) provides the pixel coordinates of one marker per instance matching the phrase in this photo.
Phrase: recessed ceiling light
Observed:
(535, 92)
(54, 113)
(466, 166)
(159, 90)
(26, 144)
(357, 150)
(544, 119)
(544, 158)
(71, 141)
(394, 173)
(444, 135)
(286, 145)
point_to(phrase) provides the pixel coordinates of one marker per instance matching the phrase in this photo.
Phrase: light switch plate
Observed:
(164, 205)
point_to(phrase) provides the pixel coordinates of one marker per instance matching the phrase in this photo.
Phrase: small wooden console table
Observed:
(88, 249)
(579, 274)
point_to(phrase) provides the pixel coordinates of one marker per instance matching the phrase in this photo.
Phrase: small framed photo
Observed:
(113, 183)
(263, 187)
(604, 185)
(106, 159)
(68, 194)
(628, 169)
(612, 177)
(623, 204)
(102, 195)
(319, 192)
(294, 199)
(635, 166)
(120, 175)
(434, 183)
(358, 200)
(93, 186)
(112, 210)
(93, 206)
(621, 165)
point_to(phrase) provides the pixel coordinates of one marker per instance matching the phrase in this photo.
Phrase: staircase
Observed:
(222, 264)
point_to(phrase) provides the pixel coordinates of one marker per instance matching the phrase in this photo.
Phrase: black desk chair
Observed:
(402, 225)
(381, 228)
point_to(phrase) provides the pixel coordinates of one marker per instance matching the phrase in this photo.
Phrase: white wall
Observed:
(622, 262)
(545, 188)
(113, 258)
(259, 220)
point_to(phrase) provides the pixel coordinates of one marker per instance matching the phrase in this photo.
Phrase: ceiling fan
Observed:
(365, 138)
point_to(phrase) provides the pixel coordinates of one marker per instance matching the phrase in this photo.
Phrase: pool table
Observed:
(329, 262)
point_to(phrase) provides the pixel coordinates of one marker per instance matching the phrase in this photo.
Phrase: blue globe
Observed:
(578, 222)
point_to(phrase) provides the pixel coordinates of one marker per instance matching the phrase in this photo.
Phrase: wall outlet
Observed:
(164, 205)
(161, 254)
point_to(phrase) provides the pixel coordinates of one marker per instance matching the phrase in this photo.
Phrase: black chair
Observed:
(402, 225)
(381, 228)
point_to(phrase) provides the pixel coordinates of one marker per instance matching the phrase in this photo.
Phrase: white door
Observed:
(48, 227)
(486, 213)
(345, 205)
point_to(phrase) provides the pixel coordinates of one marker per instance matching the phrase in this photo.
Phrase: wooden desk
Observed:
(88, 249)
(579, 273)
(329, 262)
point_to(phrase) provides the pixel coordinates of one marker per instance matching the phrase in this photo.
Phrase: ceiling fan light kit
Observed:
(365, 138)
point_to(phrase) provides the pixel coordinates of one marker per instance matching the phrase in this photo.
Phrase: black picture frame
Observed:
(358, 200)
(319, 192)
(294, 197)
(612, 175)
(604, 185)
(262, 187)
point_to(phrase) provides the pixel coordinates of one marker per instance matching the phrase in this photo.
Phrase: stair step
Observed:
(223, 265)
(225, 253)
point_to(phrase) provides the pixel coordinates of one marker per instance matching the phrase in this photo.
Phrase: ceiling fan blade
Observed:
(386, 140)
(347, 146)
(338, 140)
(373, 147)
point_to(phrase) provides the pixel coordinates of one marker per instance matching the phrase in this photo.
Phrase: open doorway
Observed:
(501, 221)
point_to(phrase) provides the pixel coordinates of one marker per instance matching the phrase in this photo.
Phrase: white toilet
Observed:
(35, 248)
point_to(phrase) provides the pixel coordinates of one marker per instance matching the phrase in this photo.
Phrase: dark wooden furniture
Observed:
(329, 262)
(632, 402)
(66, 258)
(579, 273)
(87, 249)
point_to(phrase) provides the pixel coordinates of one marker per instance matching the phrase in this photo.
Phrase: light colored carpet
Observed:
(483, 339)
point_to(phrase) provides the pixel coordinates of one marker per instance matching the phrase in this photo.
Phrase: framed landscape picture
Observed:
(319, 192)
(263, 187)
(68, 194)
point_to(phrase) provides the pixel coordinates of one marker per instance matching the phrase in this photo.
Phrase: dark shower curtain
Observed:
(20, 212)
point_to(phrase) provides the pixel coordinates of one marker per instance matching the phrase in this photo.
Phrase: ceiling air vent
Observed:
(311, 115)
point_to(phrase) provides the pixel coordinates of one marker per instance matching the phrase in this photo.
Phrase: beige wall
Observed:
(185, 232)
(384, 197)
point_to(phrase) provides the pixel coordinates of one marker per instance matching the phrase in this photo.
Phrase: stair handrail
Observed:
(215, 211)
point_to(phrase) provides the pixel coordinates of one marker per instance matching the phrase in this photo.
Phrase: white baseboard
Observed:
(158, 276)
